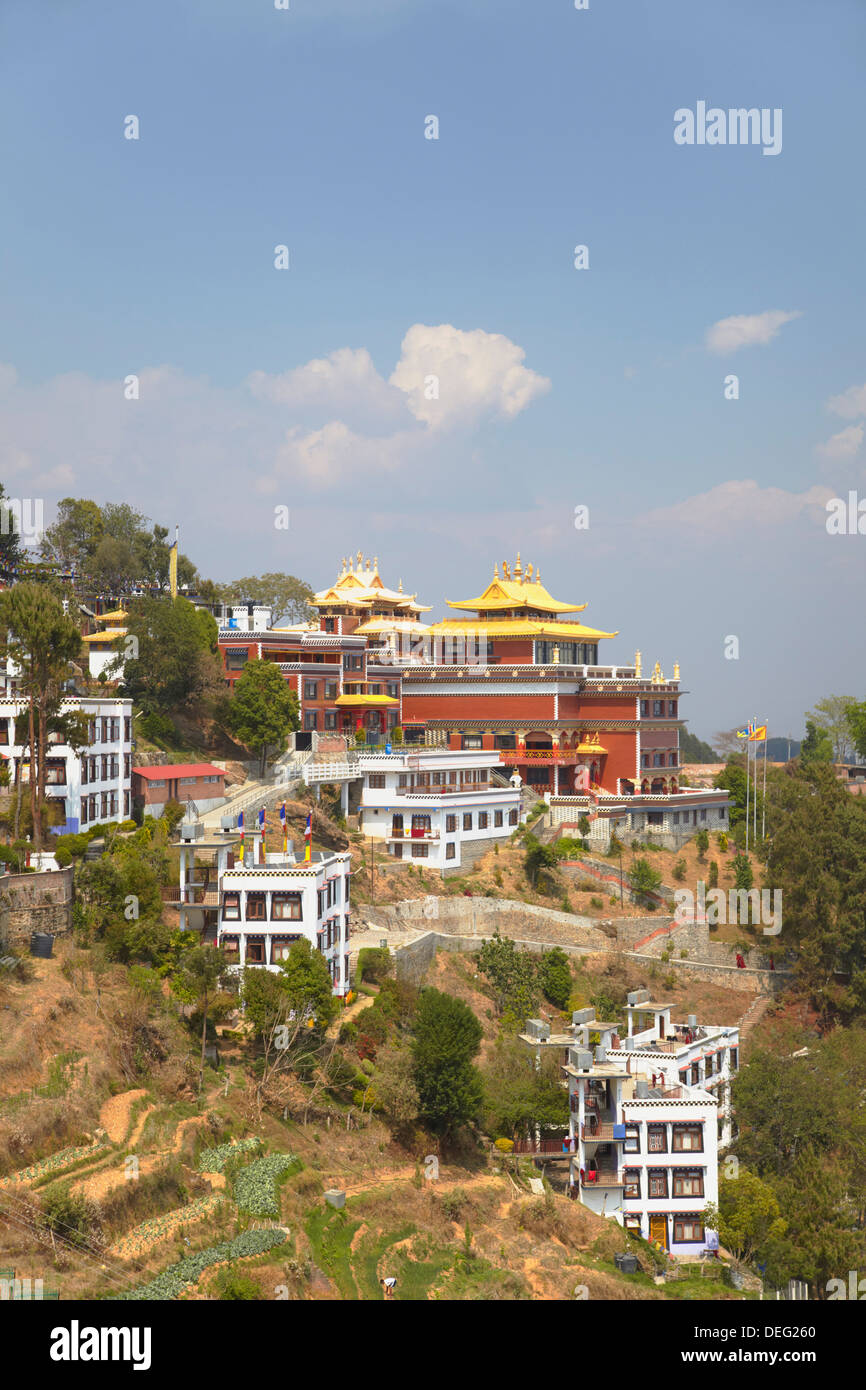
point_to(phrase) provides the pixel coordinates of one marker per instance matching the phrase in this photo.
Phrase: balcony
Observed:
(425, 835)
(551, 1148)
(604, 1175)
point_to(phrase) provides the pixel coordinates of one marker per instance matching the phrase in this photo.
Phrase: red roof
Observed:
(181, 771)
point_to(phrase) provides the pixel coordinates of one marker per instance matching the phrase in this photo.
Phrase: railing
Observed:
(550, 1147)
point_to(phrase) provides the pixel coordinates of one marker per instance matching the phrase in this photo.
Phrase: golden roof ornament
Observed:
(505, 574)
(556, 653)
(518, 568)
(529, 573)
(676, 670)
(657, 676)
(538, 574)
(495, 570)
(637, 664)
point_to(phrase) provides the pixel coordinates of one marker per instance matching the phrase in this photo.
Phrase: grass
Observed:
(370, 1252)
(330, 1234)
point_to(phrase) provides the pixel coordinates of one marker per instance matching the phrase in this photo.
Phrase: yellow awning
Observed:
(355, 701)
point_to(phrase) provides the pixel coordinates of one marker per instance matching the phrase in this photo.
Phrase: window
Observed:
(280, 947)
(688, 1182)
(286, 907)
(658, 1182)
(644, 709)
(311, 690)
(512, 817)
(657, 1139)
(127, 729)
(538, 776)
(482, 820)
(688, 1229)
(676, 817)
(330, 690)
(450, 850)
(394, 690)
(255, 952)
(231, 907)
(236, 658)
(672, 708)
(310, 720)
(658, 708)
(735, 1058)
(655, 818)
(126, 804)
(127, 765)
(632, 1139)
(703, 815)
(507, 741)
(467, 821)
(472, 741)
(420, 851)
(497, 819)
(688, 1139)
(376, 779)
(255, 907)
(352, 662)
(402, 779)
(721, 813)
(631, 1182)
(450, 825)
(632, 1223)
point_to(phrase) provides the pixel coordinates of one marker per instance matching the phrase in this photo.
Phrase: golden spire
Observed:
(375, 564)
(529, 573)
(637, 665)
(495, 570)
(505, 574)
(538, 574)
(400, 587)
(676, 670)
(360, 560)
(518, 570)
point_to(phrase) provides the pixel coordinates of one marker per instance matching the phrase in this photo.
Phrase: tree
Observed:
(857, 727)
(175, 659)
(11, 553)
(747, 1215)
(308, 985)
(197, 981)
(733, 779)
(288, 596)
(817, 859)
(832, 716)
(643, 880)
(263, 709)
(817, 746)
(694, 750)
(538, 857)
(713, 875)
(702, 844)
(743, 875)
(520, 1096)
(42, 640)
(555, 977)
(76, 533)
(513, 975)
(394, 1082)
(447, 1037)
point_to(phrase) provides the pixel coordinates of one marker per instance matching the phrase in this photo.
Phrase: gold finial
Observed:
(556, 654)
(538, 574)
(400, 587)
(637, 664)
(529, 572)
(676, 670)
(657, 674)
(495, 570)
(375, 564)
(505, 574)
(360, 560)
(518, 569)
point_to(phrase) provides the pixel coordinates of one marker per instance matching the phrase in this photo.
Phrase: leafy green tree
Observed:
(308, 985)
(520, 1096)
(743, 875)
(713, 875)
(176, 658)
(857, 727)
(43, 640)
(832, 716)
(733, 779)
(820, 1242)
(513, 975)
(263, 709)
(288, 597)
(554, 976)
(679, 870)
(70, 1216)
(196, 982)
(702, 844)
(817, 746)
(747, 1216)
(76, 533)
(538, 857)
(447, 1037)
(817, 858)
(694, 750)
(11, 553)
(643, 880)
(394, 1083)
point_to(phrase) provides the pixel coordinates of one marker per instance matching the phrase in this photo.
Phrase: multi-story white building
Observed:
(648, 1114)
(94, 784)
(265, 907)
(441, 805)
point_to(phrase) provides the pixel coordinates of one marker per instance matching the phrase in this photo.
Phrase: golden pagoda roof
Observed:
(375, 626)
(356, 701)
(362, 588)
(115, 616)
(516, 589)
(109, 634)
(518, 627)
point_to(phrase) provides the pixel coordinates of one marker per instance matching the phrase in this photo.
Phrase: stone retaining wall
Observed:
(40, 902)
(483, 917)
(413, 959)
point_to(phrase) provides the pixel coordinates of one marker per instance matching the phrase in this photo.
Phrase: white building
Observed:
(265, 907)
(443, 805)
(94, 785)
(648, 1114)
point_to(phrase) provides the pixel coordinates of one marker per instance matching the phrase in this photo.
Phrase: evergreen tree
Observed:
(447, 1036)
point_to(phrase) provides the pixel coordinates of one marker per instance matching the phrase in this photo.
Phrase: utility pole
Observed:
(372, 875)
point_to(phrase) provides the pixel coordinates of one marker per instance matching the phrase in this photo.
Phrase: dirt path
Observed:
(115, 1113)
(351, 1011)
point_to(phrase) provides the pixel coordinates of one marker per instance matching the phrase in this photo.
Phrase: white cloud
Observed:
(842, 445)
(747, 330)
(731, 506)
(851, 404)
(477, 375)
(343, 383)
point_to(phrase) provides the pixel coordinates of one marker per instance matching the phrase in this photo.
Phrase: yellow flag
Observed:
(759, 734)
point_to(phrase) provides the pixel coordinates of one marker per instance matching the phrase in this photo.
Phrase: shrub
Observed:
(702, 841)
(713, 875)
(597, 902)
(505, 1146)
(172, 813)
(396, 736)
(374, 963)
(679, 870)
(232, 1285)
(156, 726)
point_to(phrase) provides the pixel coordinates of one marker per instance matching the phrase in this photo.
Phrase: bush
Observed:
(679, 870)
(231, 1285)
(374, 964)
(156, 727)
(505, 1146)
(396, 736)
(172, 813)
(360, 737)
(713, 876)
(598, 902)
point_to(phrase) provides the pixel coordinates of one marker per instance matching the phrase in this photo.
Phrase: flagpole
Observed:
(755, 797)
(764, 806)
(747, 795)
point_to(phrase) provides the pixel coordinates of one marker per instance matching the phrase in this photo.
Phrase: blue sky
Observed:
(454, 257)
